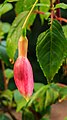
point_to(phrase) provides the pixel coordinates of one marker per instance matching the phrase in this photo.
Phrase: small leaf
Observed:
(20, 101)
(14, 34)
(5, 8)
(65, 30)
(51, 50)
(47, 14)
(7, 94)
(9, 73)
(61, 5)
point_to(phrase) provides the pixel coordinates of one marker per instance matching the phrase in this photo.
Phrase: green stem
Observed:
(29, 14)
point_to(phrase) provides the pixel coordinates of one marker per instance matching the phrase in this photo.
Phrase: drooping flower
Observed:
(23, 74)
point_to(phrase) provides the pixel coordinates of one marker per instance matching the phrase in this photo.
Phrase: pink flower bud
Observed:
(23, 76)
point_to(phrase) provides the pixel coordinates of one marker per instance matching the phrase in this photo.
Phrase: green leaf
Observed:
(20, 101)
(7, 94)
(4, 28)
(61, 5)
(45, 6)
(26, 5)
(5, 8)
(27, 115)
(23, 5)
(37, 86)
(9, 73)
(51, 50)
(65, 30)
(4, 117)
(63, 93)
(3, 55)
(14, 34)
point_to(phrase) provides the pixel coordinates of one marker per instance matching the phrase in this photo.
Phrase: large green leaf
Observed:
(51, 49)
(14, 34)
(5, 8)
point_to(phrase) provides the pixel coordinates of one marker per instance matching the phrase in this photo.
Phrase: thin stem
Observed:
(29, 14)
(4, 76)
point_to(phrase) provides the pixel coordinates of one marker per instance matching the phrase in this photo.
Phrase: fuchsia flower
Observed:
(23, 74)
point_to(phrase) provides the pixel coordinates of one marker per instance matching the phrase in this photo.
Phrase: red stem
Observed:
(61, 19)
(39, 12)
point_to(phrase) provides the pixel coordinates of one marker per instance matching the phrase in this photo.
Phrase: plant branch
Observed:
(29, 14)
